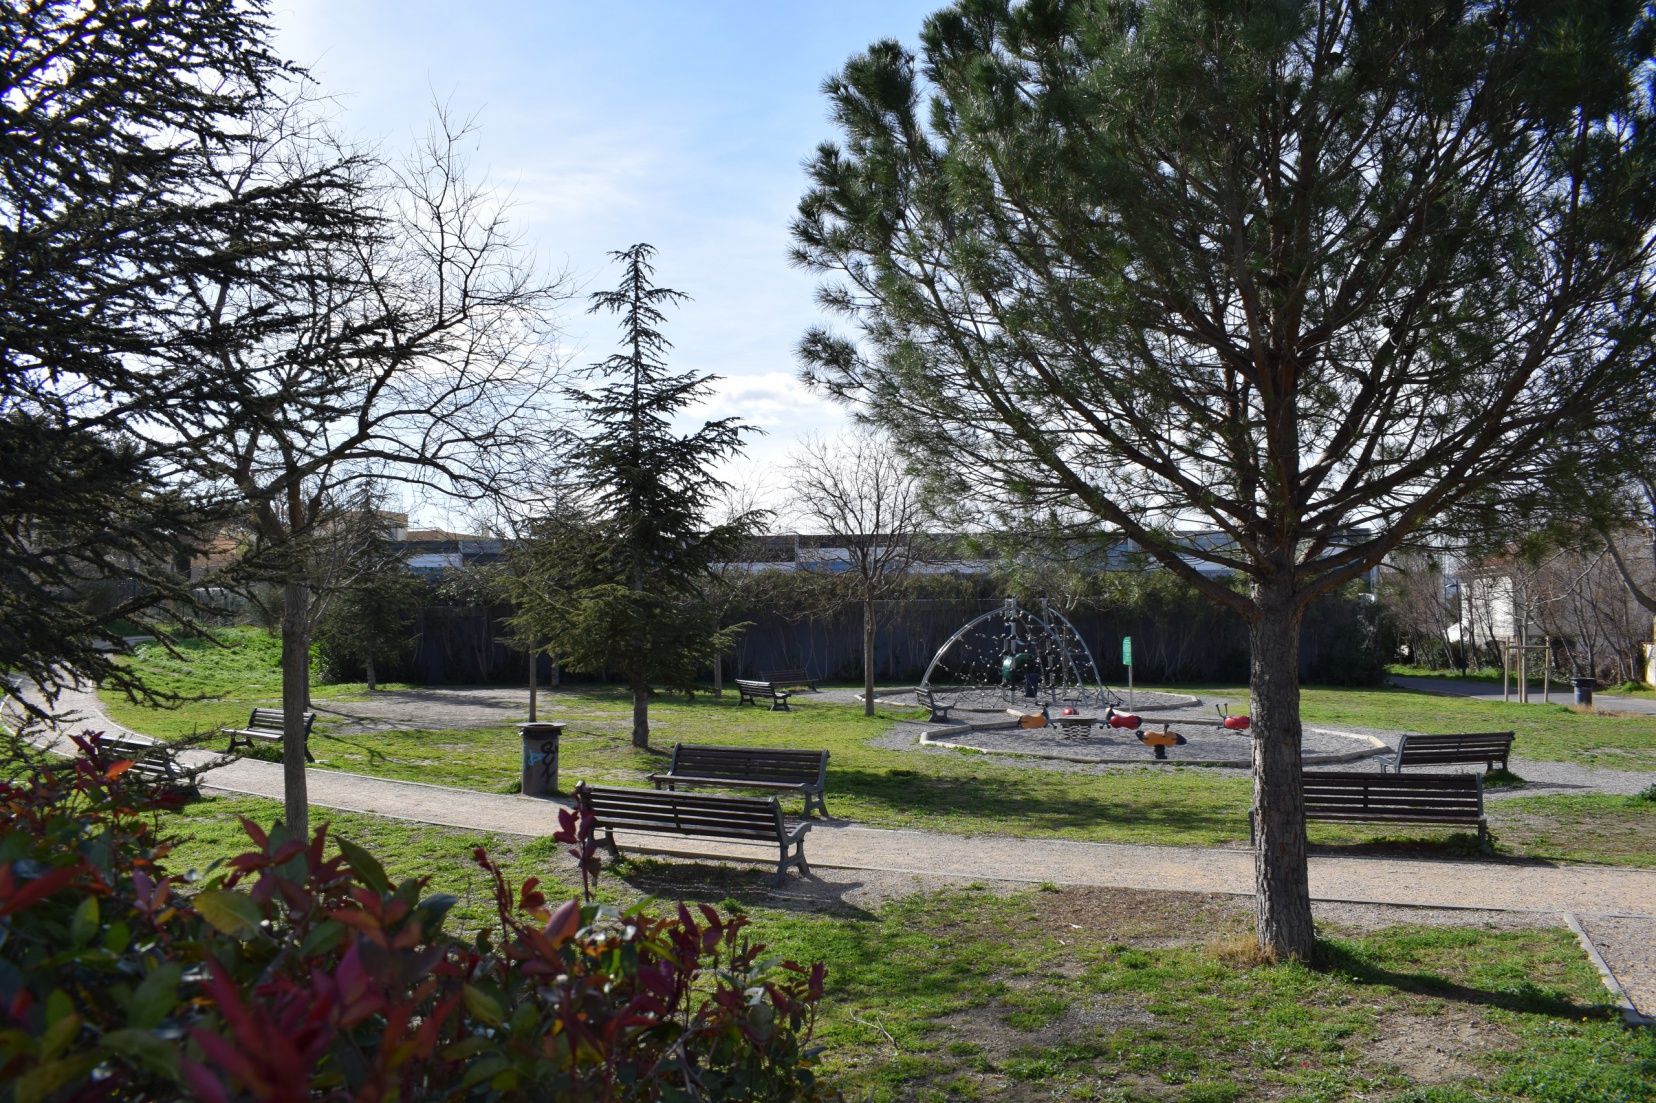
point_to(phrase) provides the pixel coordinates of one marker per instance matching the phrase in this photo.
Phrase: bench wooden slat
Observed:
(151, 759)
(1463, 748)
(789, 678)
(748, 819)
(749, 691)
(1349, 796)
(701, 764)
(267, 726)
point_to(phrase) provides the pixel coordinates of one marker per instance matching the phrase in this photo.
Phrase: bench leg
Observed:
(308, 756)
(797, 858)
(609, 841)
(822, 805)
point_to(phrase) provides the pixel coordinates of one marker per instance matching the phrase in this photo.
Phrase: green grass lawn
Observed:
(229, 677)
(963, 793)
(1092, 994)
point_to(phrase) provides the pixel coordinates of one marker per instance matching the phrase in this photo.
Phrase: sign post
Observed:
(1127, 661)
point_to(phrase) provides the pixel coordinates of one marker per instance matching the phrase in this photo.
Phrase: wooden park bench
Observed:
(265, 726)
(790, 679)
(1349, 796)
(701, 815)
(1451, 750)
(752, 692)
(151, 760)
(802, 772)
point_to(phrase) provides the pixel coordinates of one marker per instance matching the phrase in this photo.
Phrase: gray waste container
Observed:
(1584, 689)
(540, 758)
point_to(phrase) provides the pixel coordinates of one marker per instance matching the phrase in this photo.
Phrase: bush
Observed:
(291, 973)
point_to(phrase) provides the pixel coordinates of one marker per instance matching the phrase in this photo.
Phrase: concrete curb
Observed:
(1630, 1013)
(930, 739)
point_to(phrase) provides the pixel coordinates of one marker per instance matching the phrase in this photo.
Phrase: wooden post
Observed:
(1546, 670)
(1506, 667)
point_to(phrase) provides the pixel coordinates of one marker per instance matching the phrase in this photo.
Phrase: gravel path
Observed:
(1628, 946)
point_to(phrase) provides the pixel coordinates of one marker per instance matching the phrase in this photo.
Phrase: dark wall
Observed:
(1185, 641)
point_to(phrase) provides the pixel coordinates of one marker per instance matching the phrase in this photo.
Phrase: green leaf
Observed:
(231, 912)
(42, 1080)
(322, 938)
(117, 937)
(466, 1047)
(85, 923)
(485, 1069)
(58, 1005)
(155, 997)
(59, 1035)
(155, 1054)
(365, 865)
(482, 1005)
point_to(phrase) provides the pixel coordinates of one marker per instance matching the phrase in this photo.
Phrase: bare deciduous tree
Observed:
(402, 343)
(857, 490)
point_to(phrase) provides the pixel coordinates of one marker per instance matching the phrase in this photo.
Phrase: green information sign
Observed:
(1126, 651)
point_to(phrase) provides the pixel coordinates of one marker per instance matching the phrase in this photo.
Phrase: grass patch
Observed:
(208, 829)
(241, 670)
(967, 996)
(1113, 994)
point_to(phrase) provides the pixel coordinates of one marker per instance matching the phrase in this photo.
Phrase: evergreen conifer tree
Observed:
(615, 583)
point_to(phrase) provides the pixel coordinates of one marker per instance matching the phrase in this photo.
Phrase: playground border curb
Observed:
(1630, 1014)
(929, 739)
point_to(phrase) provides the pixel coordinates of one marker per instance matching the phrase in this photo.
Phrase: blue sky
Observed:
(681, 124)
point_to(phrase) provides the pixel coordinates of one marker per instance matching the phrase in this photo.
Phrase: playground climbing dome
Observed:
(1017, 656)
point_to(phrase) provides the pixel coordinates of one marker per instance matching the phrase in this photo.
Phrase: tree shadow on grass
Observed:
(1526, 998)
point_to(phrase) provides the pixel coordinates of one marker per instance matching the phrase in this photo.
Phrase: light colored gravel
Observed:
(1629, 947)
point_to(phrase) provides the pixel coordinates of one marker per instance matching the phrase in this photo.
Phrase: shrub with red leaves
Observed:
(298, 971)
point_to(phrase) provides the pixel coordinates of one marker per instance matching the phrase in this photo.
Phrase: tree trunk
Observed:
(534, 686)
(1282, 890)
(641, 715)
(868, 655)
(718, 675)
(369, 662)
(295, 697)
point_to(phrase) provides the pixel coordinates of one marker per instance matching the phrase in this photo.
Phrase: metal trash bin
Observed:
(1584, 689)
(540, 758)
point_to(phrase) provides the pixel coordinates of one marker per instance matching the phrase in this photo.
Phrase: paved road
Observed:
(1484, 692)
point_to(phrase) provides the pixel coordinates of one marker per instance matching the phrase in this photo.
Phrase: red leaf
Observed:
(38, 889)
(255, 833)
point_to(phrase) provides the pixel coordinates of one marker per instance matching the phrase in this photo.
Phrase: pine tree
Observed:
(1307, 276)
(615, 584)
